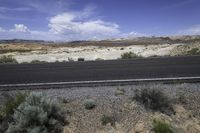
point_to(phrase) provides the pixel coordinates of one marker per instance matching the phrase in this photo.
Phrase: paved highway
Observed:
(165, 67)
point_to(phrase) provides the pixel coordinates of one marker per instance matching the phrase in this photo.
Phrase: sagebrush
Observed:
(161, 127)
(37, 114)
(129, 55)
(154, 99)
(89, 104)
(12, 101)
(105, 119)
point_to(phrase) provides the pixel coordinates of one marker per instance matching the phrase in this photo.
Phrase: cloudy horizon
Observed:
(66, 20)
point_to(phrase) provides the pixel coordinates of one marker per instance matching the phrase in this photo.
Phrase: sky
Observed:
(67, 20)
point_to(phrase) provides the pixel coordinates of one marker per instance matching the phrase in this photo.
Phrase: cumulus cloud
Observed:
(68, 26)
(21, 31)
(193, 30)
(20, 28)
(73, 23)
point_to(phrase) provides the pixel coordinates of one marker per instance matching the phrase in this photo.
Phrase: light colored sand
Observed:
(92, 52)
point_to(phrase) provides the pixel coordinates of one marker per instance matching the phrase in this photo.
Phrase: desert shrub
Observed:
(3, 51)
(12, 102)
(193, 51)
(81, 59)
(154, 56)
(65, 100)
(38, 62)
(7, 110)
(24, 62)
(89, 104)
(161, 127)
(105, 119)
(129, 55)
(119, 91)
(154, 99)
(181, 98)
(70, 59)
(99, 59)
(7, 59)
(37, 114)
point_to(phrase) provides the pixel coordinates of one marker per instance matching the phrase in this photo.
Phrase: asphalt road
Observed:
(165, 67)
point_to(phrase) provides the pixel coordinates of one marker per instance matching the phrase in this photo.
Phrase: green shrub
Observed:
(11, 103)
(161, 127)
(7, 59)
(70, 59)
(81, 59)
(89, 104)
(38, 62)
(129, 55)
(154, 99)
(119, 91)
(3, 51)
(108, 119)
(8, 108)
(193, 51)
(37, 114)
(99, 59)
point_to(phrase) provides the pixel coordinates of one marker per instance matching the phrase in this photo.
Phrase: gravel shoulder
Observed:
(130, 116)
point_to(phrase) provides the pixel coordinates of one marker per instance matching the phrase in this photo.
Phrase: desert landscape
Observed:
(139, 108)
(99, 66)
(28, 51)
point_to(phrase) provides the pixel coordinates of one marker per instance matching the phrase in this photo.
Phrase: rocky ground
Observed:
(129, 115)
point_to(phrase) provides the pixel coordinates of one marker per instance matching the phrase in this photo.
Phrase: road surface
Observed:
(165, 67)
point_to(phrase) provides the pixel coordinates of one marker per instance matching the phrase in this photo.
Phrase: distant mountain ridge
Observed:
(22, 41)
(114, 42)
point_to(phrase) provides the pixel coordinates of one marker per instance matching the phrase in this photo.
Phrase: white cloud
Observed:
(73, 23)
(193, 30)
(68, 26)
(22, 32)
(20, 28)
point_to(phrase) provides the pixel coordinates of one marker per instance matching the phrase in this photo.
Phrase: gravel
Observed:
(126, 111)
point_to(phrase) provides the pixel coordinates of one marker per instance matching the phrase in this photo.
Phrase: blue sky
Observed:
(97, 19)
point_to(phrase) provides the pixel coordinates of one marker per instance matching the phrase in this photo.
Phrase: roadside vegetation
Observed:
(31, 113)
(120, 91)
(89, 104)
(161, 127)
(4, 51)
(154, 99)
(81, 59)
(193, 51)
(129, 55)
(38, 62)
(8, 59)
(105, 119)
(137, 108)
